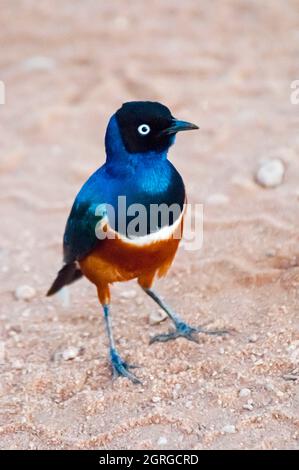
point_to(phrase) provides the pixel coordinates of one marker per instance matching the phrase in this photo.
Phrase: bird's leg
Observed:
(119, 366)
(182, 329)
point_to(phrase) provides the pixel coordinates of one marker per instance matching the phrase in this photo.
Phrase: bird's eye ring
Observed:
(144, 129)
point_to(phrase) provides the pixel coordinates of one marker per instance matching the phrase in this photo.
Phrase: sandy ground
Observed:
(226, 65)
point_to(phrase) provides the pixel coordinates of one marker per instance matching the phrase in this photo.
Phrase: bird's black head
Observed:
(148, 126)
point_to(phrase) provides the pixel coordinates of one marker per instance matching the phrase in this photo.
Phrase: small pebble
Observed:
(253, 338)
(71, 353)
(39, 63)
(68, 354)
(244, 392)
(156, 399)
(157, 316)
(269, 387)
(128, 294)
(248, 406)
(176, 391)
(271, 173)
(259, 362)
(229, 429)
(25, 292)
(162, 441)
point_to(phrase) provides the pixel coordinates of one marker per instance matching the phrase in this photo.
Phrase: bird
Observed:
(104, 243)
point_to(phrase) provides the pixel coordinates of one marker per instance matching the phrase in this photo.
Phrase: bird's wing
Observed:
(80, 232)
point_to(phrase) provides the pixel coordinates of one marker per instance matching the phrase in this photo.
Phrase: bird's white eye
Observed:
(144, 129)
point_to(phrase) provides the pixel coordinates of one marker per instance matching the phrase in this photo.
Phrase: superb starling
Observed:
(97, 242)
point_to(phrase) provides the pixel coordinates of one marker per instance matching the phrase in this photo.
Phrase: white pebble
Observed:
(128, 294)
(189, 405)
(70, 353)
(269, 387)
(25, 292)
(244, 392)
(271, 173)
(175, 391)
(156, 399)
(162, 441)
(229, 429)
(248, 406)
(157, 316)
(39, 63)
(259, 362)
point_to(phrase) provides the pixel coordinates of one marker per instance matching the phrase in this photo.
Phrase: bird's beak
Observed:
(177, 126)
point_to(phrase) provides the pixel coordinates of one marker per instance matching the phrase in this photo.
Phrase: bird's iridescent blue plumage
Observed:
(144, 178)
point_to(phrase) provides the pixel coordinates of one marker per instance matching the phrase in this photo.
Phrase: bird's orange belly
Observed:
(117, 260)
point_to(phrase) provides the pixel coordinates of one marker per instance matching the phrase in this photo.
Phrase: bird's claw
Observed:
(121, 367)
(185, 331)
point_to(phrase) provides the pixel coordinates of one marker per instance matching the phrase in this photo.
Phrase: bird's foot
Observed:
(121, 368)
(183, 330)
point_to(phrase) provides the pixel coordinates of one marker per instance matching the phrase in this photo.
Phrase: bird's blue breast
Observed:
(132, 190)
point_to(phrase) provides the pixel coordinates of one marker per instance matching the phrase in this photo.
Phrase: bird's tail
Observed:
(67, 274)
